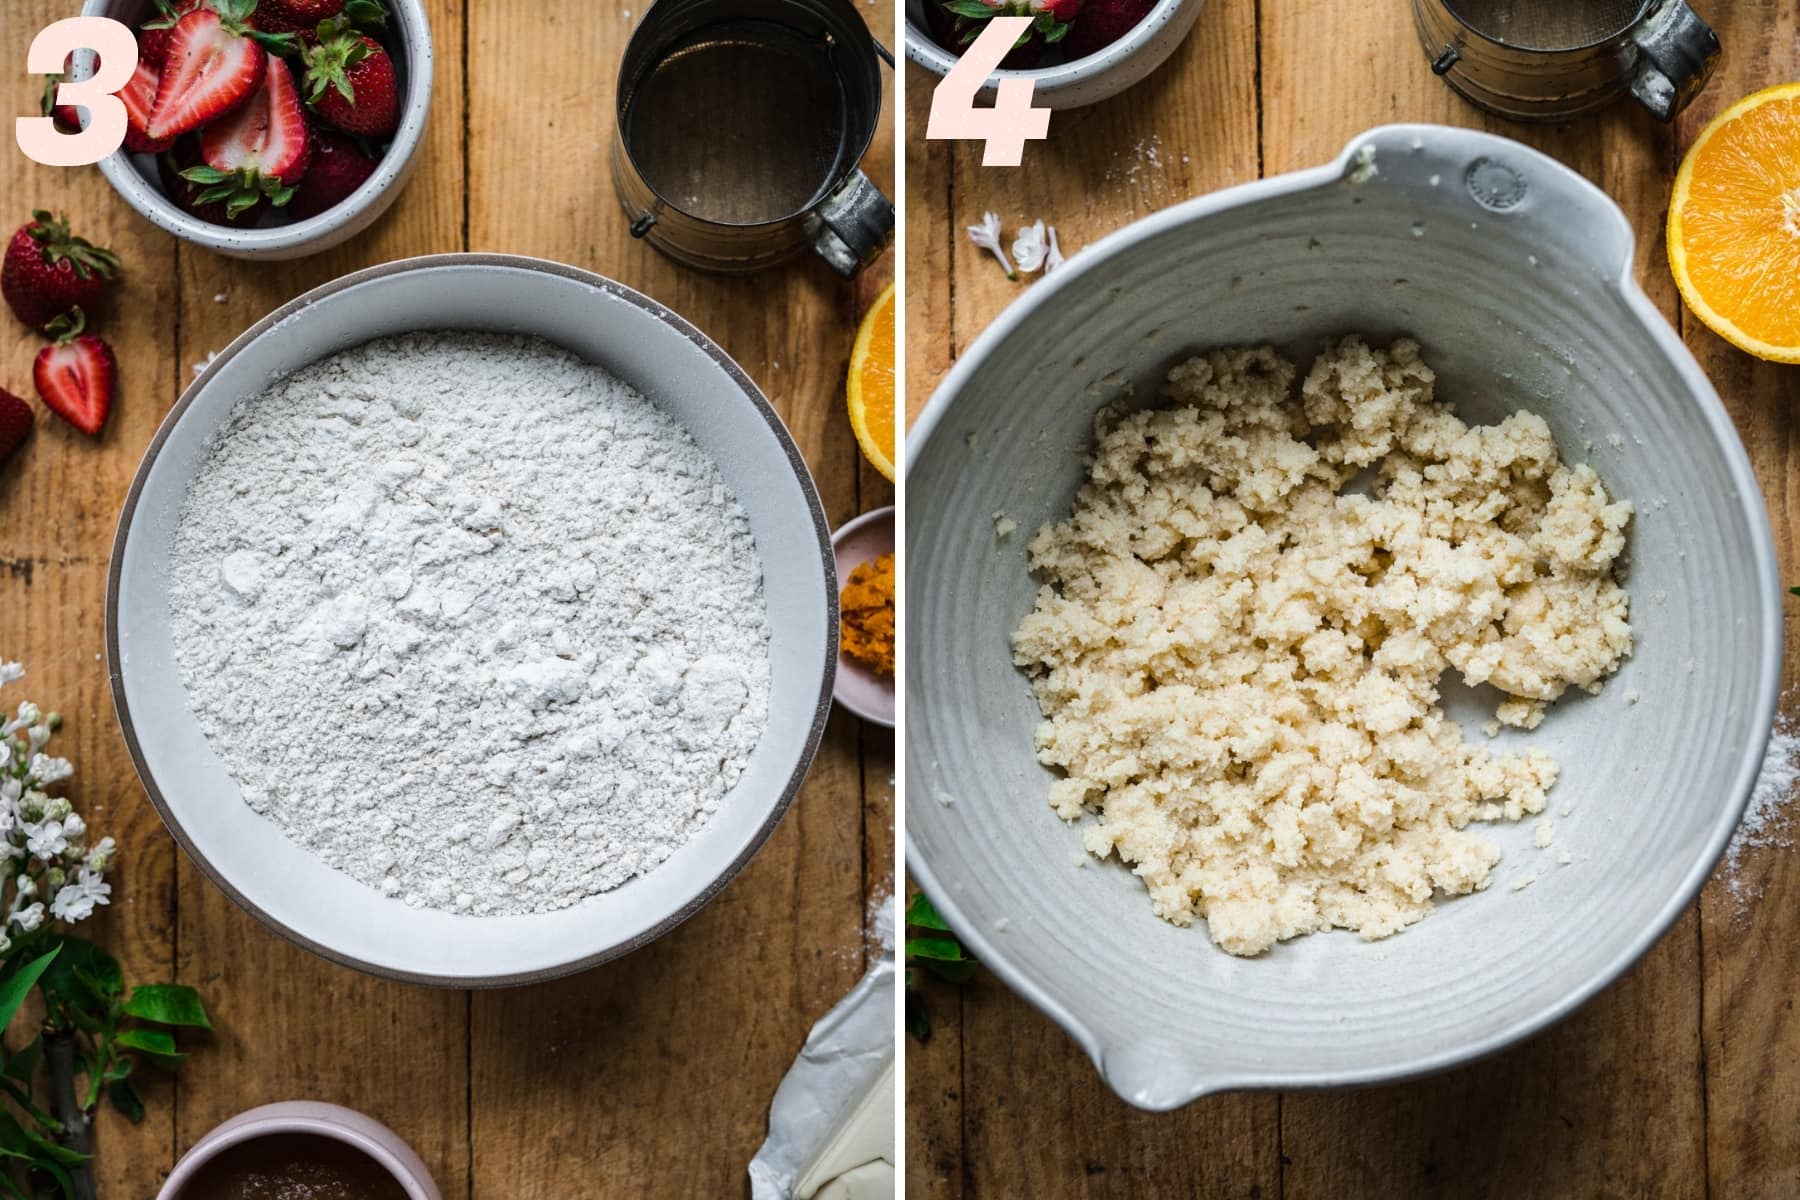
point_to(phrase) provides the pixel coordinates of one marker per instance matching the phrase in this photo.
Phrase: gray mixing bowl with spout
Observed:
(1515, 275)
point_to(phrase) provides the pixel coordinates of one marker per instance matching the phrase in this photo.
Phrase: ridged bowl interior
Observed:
(1513, 274)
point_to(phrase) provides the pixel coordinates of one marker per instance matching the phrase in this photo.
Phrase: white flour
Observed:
(471, 620)
(1766, 819)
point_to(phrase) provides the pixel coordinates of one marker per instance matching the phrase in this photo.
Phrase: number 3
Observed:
(38, 136)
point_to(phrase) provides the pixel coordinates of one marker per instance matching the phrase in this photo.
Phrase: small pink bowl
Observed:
(321, 1120)
(862, 691)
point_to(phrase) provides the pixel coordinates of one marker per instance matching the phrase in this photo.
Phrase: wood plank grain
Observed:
(293, 1026)
(1750, 952)
(671, 1054)
(1566, 1114)
(59, 496)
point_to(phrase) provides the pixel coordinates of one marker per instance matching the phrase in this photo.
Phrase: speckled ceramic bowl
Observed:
(677, 368)
(1515, 274)
(1087, 80)
(319, 1120)
(134, 176)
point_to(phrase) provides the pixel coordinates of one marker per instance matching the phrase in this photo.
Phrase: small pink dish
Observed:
(310, 1117)
(857, 688)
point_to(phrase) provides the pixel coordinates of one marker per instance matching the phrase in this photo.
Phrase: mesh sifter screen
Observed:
(1548, 24)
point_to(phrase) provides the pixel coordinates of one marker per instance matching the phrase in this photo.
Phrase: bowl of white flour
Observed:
(1360, 648)
(472, 620)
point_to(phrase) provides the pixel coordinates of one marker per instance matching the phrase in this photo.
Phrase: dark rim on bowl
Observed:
(195, 1160)
(753, 394)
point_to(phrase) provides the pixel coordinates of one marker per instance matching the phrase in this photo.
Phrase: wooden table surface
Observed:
(1682, 1079)
(650, 1076)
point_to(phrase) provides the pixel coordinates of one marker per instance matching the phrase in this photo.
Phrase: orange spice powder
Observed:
(867, 611)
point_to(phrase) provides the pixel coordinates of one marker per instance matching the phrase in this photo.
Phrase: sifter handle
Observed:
(1676, 53)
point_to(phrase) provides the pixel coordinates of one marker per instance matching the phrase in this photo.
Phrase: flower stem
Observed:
(59, 1054)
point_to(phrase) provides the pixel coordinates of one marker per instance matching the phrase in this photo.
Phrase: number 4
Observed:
(1011, 122)
(38, 137)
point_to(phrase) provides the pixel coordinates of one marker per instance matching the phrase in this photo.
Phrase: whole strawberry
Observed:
(15, 422)
(350, 81)
(49, 271)
(339, 165)
(75, 376)
(956, 23)
(1102, 23)
(294, 16)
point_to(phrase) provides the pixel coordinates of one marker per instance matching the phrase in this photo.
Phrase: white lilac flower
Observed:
(76, 900)
(47, 770)
(1054, 257)
(45, 840)
(74, 828)
(100, 857)
(56, 808)
(29, 917)
(9, 671)
(987, 235)
(5, 943)
(36, 737)
(28, 715)
(1029, 247)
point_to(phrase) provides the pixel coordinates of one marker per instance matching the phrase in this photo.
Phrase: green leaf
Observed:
(1795, 590)
(23, 1100)
(167, 1004)
(19, 985)
(973, 9)
(921, 912)
(1057, 32)
(84, 981)
(155, 1042)
(937, 949)
(204, 174)
(918, 1021)
(365, 14)
(124, 1096)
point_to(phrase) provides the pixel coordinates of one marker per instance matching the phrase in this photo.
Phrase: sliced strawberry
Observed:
(257, 152)
(184, 156)
(339, 165)
(15, 422)
(213, 64)
(75, 377)
(48, 271)
(350, 81)
(138, 95)
(154, 34)
(66, 116)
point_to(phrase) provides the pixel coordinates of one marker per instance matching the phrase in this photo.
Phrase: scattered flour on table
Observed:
(1767, 821)
(1237, 652)
(472, 620)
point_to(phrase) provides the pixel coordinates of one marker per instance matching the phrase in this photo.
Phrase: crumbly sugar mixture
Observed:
(1241, 626)
(472, 620)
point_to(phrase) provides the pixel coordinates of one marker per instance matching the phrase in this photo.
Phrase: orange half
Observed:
(871, 385)
(1734, 224)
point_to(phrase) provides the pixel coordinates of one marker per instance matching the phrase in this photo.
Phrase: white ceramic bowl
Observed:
(1087, 80)
(307, 1117)
(671, 363)
(1516, 276)
(134, 176)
